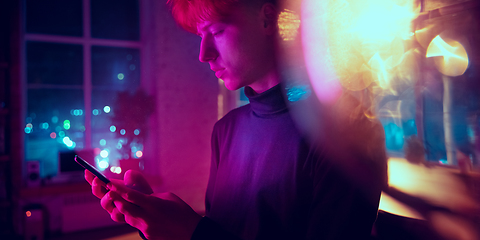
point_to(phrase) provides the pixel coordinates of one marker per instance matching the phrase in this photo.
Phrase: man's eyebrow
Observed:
(203, 28)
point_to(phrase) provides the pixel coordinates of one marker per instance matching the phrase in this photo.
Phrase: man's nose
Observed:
(208, 51)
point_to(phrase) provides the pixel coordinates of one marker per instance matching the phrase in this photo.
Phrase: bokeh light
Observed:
(103, 164)
(66, 124)
(139, 154)
(68, 142)
(113, 128)
(120, 76)
(116, 170)
(106, 109)
(104, 153)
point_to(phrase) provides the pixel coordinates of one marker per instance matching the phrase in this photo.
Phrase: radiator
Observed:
(82, 211)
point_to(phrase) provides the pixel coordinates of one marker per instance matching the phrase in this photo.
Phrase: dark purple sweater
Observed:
(268, 182)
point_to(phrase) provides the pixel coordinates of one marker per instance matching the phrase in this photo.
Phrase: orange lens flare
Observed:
(357, 42)
(288, 24)
(391, 205)
(438, 186)
(451, 58)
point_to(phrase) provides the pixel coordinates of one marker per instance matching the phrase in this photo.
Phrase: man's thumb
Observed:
(135, 180)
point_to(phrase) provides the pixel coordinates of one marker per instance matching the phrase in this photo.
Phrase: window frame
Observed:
(86, 41)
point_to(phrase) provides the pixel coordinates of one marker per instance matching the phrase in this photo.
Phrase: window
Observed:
(79, 56)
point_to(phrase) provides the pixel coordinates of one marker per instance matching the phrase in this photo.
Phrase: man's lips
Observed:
(218, 72)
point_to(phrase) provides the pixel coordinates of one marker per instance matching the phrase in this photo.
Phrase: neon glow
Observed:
(106, 109)
(451, 59)
(28, 213)
(298, 92)
(139, 154)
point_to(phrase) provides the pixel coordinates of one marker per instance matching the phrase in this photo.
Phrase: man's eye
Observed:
(217, 33)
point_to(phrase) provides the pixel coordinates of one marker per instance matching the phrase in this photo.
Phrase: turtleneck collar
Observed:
(267, 103)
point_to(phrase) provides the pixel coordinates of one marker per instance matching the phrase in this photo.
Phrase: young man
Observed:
(266, 180)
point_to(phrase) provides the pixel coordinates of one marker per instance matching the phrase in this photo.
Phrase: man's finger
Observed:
(98, 188)
(117, 216)
(89, 176)
(137, 181)
(128, 194)
(128, 208)
(107, 203)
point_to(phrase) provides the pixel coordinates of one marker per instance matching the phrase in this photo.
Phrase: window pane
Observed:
(55, 122)
(104, 136)
(57, 17)
(115, 68)
(53, 63)
(119, 124)
(115, 19)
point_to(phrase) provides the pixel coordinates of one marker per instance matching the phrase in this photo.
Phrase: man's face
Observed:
(237, 48)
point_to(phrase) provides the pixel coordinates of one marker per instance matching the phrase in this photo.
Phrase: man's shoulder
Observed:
(234, 115)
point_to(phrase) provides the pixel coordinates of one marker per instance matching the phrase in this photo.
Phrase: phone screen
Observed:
(91, 168)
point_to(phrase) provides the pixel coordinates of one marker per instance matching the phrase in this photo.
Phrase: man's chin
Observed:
(232, 87)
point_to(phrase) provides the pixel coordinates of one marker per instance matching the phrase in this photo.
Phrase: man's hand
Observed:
(132, 179)
(163, 216)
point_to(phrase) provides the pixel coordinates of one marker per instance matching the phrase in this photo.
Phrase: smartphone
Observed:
(92, 169)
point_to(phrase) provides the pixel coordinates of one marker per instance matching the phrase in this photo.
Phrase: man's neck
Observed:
(269, 81)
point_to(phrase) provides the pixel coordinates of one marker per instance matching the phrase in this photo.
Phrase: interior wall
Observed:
(186, 110)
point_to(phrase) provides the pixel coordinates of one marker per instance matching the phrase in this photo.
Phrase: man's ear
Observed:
(269, 15)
